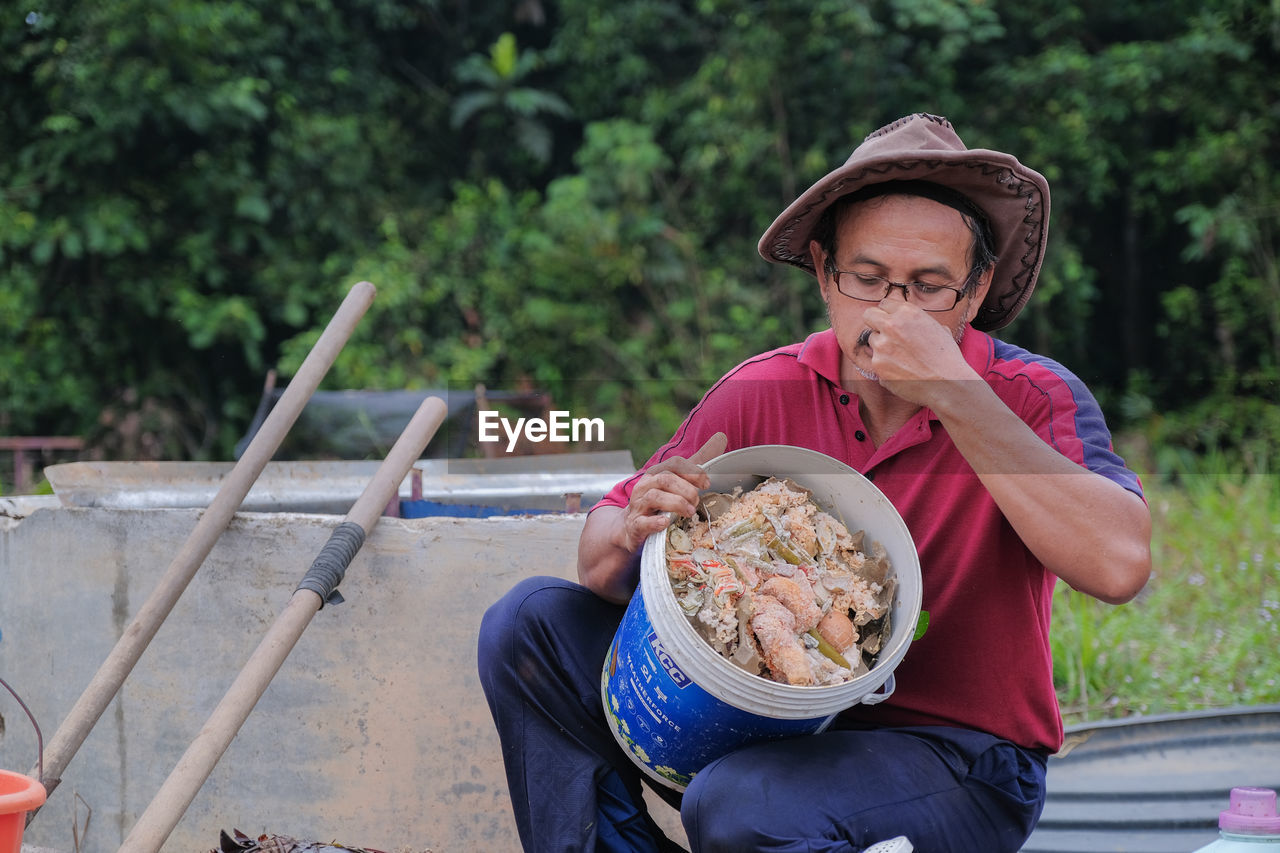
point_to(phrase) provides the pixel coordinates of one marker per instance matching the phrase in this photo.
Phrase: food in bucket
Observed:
(779, 586)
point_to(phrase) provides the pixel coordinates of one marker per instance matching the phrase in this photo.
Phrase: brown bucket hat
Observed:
(925, 147)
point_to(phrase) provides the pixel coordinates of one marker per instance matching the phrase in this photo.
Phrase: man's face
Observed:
(904, 239)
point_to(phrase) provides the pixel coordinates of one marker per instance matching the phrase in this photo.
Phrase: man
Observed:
(999, 462)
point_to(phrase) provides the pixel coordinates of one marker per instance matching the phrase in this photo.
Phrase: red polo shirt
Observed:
(985, 661)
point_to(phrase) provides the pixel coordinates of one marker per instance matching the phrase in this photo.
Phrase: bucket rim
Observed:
(30, 795)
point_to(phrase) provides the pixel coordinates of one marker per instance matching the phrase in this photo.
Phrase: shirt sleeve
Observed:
(1062, 411)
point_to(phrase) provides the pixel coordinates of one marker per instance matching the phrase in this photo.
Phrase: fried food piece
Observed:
(783, 652)
(797, 597)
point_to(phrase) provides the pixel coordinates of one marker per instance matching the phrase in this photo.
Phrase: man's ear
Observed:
(819, 258)
(979, 294)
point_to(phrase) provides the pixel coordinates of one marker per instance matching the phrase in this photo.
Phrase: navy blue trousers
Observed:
(541, 650)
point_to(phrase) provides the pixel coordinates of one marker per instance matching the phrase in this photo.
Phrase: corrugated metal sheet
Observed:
(1154, 784)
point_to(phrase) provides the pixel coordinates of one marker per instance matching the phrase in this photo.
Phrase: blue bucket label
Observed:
(671, 727)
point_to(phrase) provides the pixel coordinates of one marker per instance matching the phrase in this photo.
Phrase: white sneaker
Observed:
(893, 845)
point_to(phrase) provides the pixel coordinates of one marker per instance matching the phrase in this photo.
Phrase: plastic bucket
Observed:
(675, 705)
(18, 795)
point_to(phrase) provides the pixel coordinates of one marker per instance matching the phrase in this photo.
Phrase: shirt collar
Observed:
(821, 354)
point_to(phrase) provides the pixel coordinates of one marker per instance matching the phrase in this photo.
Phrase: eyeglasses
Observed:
(874, 288)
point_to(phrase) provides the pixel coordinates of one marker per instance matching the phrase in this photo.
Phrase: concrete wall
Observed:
(374, 733)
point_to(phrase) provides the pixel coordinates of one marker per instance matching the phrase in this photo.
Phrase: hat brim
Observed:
(1014, 198)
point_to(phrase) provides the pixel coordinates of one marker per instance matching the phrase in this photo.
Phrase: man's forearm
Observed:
(605, 566)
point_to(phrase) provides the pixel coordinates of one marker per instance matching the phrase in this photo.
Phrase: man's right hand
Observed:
(666, 490)
(612, 535)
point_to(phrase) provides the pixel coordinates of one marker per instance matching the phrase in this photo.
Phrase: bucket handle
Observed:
(34, 724)
(883, 692)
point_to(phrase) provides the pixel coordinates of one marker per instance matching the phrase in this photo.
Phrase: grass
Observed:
(1205, 632)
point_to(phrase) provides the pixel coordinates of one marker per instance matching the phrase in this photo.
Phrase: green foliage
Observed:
(570, 195)
(178, 178)
(1149, 124)
(584, 291)
(1237, 431)
(497, 77)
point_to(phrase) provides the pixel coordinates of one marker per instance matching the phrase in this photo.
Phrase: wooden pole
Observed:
(139, 633)
(202, 755)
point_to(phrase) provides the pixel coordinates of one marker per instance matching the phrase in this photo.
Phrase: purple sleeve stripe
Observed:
(1076, 423)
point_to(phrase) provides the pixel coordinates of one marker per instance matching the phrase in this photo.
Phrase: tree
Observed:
(1149, 118)
(570, 194)
(509, 106)
(181, 176)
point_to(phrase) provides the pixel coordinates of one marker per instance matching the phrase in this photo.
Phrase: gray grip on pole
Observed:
(331, 563)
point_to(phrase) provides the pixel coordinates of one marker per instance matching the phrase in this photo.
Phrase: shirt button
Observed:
(844, 399)
(860, 435)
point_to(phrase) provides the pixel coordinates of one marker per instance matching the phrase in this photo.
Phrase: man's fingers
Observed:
(639, 528)
(713, 447)
(667, 492)
(647, 525)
